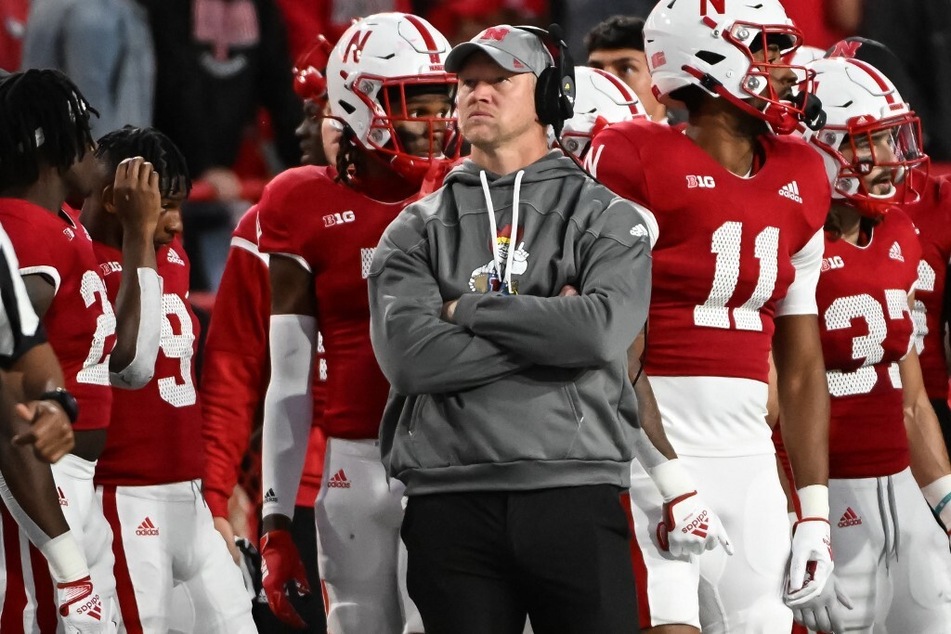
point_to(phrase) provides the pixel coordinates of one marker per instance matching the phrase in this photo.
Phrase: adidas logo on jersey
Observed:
(849, 518)
(69, 233)
(639, 230)
(270, 496)
(791, 191)
(339, 481)
(894, 252)
(62, 497)
(146, 528)
(175, 258)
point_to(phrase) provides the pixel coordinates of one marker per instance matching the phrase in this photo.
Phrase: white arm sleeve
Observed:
(288, 410)
(141, 369)
(65, 557)
(801, 297)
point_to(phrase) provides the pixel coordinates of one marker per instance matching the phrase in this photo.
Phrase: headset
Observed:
(555, 89)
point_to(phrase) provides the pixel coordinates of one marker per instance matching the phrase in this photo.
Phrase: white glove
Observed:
(812, 592)
(81, 608)
(825, 612)
(689, 526)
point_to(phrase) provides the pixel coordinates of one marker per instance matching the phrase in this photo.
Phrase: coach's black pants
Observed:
(479, 562)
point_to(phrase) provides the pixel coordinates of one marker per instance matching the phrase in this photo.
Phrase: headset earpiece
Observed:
(555, 90)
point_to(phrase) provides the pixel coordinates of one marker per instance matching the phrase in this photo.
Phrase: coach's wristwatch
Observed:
(65, 400)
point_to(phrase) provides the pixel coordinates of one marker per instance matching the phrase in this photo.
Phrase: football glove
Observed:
(81, 608)
(812, 592)
(282, 572)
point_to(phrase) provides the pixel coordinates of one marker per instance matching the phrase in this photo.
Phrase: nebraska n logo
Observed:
(845, 48)
(495, 33)
(718, 5)
(355, 46)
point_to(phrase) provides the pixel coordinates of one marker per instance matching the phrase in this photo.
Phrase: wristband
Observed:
(814, 501)
(65, 400)
(65, 558)
(938, 495)
(671, 479)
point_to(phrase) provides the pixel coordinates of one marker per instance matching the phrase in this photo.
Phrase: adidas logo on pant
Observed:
(146, 528)
(62, 497)
(849, 518)
(339, 481)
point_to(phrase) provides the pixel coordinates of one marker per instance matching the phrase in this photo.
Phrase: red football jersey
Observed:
(334, 230)
(80, 322)
(236, 375)
(724, 255)
(932, 216)
(155, 437)
(866, 328)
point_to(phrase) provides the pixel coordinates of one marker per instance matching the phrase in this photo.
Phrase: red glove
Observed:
(81, 607)
(282, 572)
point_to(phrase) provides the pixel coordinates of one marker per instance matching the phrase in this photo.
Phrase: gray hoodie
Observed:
(526, 390)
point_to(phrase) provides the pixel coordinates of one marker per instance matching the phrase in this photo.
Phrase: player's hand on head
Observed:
(136, 194)
(812, 591)
(282, 572)
(49, 432)
(81, 609)
(690, 527)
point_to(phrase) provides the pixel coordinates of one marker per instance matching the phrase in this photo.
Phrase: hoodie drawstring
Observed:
(493, 226)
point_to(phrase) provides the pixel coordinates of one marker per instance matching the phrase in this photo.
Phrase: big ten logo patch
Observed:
(705, 182)
(339, 218)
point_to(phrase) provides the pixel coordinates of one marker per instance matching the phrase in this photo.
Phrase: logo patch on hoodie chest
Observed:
(488, 279)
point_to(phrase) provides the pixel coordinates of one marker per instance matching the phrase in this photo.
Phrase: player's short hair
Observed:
(154, 147)
(44, 121)
(618, 31)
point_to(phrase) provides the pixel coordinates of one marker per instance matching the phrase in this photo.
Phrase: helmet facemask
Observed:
(880, 161)
(408, 140)
(759, 43)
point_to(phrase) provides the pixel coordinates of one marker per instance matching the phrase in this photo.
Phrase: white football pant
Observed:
(359, 551)
(890, 555)
(165, 538)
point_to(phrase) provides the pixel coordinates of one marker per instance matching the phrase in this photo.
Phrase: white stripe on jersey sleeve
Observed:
(801, 297)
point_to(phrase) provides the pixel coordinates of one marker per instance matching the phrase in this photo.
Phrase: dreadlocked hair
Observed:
(349, 156)
(44, 121)
(156, 148)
